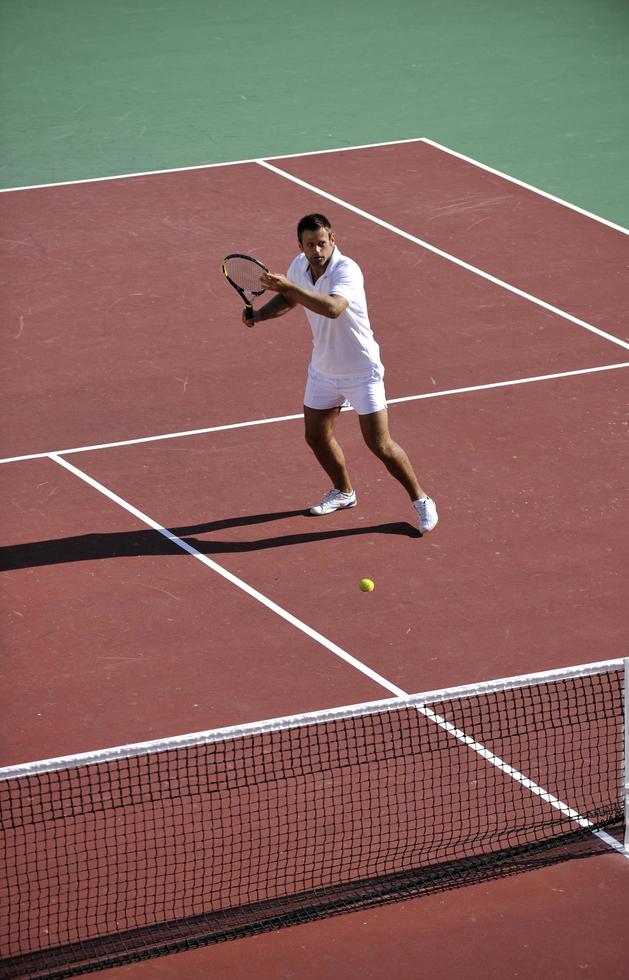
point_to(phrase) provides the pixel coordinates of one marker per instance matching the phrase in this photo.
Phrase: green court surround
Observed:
(537, 88)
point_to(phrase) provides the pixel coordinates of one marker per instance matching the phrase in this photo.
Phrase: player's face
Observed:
(317, 246)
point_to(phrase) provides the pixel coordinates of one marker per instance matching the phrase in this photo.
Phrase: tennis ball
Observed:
(366, 585)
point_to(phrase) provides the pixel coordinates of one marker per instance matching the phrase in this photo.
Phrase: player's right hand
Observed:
(250, 320)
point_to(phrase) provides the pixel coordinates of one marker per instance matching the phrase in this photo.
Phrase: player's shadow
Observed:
(133, 544)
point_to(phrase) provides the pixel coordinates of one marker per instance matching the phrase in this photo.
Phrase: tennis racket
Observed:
(243, 273)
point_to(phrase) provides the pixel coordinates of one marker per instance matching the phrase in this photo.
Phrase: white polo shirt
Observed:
(344, 347)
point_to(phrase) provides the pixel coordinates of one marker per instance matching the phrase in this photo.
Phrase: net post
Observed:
(625, 773)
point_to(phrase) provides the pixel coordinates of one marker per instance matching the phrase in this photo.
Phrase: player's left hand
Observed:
(274, 281)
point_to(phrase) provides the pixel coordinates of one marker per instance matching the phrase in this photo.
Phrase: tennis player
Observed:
(345, 368)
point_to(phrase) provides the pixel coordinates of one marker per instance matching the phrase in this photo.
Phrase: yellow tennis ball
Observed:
(366, 585)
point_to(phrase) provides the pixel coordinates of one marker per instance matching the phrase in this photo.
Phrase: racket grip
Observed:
(248, 312)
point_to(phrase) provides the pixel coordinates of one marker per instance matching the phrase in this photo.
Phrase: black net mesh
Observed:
(128, 857)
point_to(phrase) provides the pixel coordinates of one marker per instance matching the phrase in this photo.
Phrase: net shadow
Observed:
(234, 923)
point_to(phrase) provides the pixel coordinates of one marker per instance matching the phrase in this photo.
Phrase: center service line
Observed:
(238, 582)
(446, 255)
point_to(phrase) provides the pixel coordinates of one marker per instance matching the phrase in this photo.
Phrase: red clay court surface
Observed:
(120, 329)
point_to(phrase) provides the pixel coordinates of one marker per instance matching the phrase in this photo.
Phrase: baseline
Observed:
(337, 149)
(522, 183)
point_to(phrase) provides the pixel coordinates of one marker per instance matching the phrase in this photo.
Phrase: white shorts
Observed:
(364, 395)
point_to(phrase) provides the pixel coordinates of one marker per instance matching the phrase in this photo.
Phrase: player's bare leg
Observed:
(319, 432)
(375, 430)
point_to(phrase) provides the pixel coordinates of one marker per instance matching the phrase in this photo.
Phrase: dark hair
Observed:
(311, 222)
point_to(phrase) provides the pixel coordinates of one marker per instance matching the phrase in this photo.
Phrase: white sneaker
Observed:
(334, 500)
(427, 513)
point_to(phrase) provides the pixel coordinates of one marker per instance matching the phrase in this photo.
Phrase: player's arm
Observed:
(328, 306)
(275, 307)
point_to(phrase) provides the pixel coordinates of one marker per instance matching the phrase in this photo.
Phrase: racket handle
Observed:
(248, 312)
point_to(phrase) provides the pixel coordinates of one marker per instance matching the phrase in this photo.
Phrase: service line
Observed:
(292, 418)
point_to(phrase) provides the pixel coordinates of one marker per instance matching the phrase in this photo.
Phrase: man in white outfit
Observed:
(345, 368)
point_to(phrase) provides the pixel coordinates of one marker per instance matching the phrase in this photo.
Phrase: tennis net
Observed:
(150, 848)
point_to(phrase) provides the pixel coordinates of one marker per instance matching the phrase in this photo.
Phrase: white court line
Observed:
(521, 183)
(209, 166)
(311, 153)
(476, 747)
(469, 742)
(523, 780)
(444, 255)
(292, 418)
(233, 579)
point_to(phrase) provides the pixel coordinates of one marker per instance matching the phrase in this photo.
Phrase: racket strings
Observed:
(245, 274)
